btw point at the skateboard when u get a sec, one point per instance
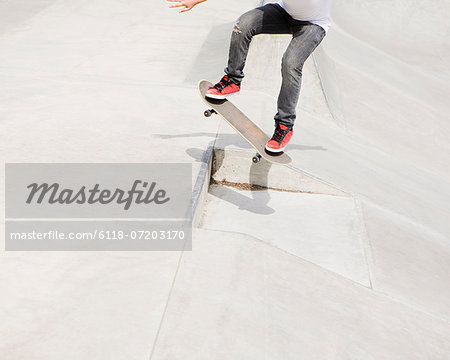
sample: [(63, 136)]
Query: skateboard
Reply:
[(243, 126)]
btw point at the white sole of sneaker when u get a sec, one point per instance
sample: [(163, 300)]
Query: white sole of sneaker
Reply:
[(221, 97), (275, 150)]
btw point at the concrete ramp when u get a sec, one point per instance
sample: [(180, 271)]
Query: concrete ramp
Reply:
[(386, 75), (343, 256)]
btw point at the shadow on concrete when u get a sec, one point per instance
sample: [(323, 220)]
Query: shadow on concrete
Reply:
[(259, 199), (257, 203), (258, 174), (196, 154), (233, 139)]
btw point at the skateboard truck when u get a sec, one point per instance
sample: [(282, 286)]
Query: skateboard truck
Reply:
[(209, 112)]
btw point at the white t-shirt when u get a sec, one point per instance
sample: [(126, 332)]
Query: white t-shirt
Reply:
[(314, 11)]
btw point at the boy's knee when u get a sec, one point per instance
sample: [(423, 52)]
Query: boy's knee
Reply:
[(291, 65), (246, 22)]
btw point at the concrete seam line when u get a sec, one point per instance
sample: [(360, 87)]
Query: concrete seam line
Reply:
[(199, 183), (201, 178), (365, 240), (172, 286), (292, 167)]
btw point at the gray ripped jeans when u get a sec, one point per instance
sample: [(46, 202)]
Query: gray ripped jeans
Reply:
[(273, 19)]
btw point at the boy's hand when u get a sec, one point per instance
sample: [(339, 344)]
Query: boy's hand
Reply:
[(186, 4)]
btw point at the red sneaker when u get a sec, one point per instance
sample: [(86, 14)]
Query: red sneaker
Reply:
[(280, 139), (223, 88)]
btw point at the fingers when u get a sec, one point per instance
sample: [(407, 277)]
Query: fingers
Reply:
[(177, 3), (180, 3)]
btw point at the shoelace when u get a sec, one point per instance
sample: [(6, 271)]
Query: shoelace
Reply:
[(224, 82), (279, 134)]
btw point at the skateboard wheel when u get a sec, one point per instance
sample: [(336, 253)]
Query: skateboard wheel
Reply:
[(256, 158)]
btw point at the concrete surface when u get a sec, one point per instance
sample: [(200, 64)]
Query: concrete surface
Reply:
[(115, 81), (322, 229), (257, 303)]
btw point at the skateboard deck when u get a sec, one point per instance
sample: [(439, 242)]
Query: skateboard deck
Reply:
[(243, 126)]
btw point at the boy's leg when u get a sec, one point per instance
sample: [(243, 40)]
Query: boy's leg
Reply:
[(303, 43), (268, 19), (305, 39)]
